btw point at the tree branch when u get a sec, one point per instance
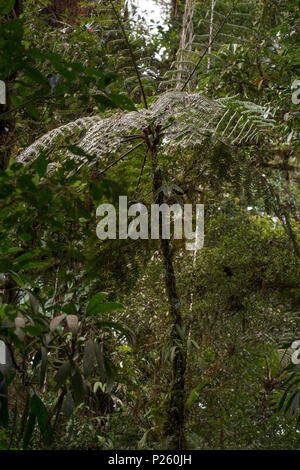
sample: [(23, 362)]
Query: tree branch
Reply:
[(120, 158)]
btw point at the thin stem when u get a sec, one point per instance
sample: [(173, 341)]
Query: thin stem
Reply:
[(120, 158), (207, 49), (31, 100), (131, 53), (142, 170), (130, 138), (211, 29), (174, 416), (10, 348)]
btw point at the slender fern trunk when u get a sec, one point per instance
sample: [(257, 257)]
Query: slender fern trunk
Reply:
[(186, 38), (174, 414)]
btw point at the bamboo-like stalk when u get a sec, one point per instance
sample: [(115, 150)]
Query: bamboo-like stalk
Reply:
[(211, 29), (120, 158), (210, 43)]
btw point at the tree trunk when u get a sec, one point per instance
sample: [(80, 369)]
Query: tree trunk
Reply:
[(175, 10), (186, 39), (174, 415)]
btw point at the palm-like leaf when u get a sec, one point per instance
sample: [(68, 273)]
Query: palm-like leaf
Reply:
[(187, 117)]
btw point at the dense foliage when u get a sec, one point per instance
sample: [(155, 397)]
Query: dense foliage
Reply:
[(141, 344)]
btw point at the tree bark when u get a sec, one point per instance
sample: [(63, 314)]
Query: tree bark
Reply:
[(175, 10), (186, 38), (174, 415)]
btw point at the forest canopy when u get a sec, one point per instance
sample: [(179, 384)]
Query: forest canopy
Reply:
[(136, 342)]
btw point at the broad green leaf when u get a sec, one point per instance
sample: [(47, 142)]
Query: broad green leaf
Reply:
[(34, 330), (35, 75), (193, 397), (110, 374), (122, 101), (63, 373), (5, 265), (70, 309), (69, 405), (100, 362), (96, 300), (32, 111), (79, 151), (89, 356), (77, 385), (38, 409), (103, 101), (116, 326), (40, 165), (105, 307), (29, 430), (6, 6)]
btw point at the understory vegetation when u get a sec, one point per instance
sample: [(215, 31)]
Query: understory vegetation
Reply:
[(143, 344)]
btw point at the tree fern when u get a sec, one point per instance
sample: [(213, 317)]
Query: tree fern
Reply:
[(134, 61), (187, 117), (207, 28)]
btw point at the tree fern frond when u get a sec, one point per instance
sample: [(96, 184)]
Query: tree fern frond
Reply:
[(189, 118), (215, 29), (242, 120), (130, 52)]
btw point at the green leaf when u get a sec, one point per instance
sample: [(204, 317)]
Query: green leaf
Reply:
[(89, 356), (29, 430), (40, 165), (69, 405), (5, 190), (294, 409), (194, 395), (70, 309), (5, 265), (32, 111), (100, 362), (6, 6), (97, 299), (63, 373), (80, 152), (34, 330), (116, 326), (35, 75), (108, 307), (142, 442), (38, 409), (122, 101), (103, 101), (77, 385), (110, 374)]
